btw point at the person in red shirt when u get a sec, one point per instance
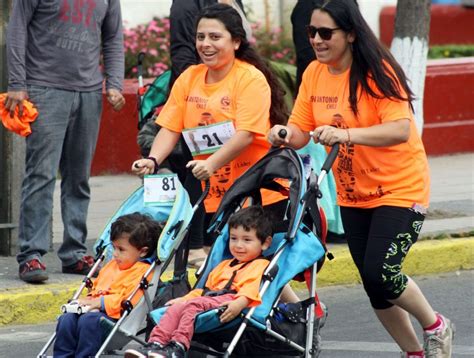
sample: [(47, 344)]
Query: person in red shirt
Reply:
[(234, 283), (357, 95), (134, 237)]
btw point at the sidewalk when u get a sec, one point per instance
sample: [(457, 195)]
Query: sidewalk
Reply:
[(451, 213)]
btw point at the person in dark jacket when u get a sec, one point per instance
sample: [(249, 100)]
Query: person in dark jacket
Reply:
[(300, 17)]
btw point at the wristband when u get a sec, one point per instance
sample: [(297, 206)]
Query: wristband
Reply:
[(348, 136), (155, 163)]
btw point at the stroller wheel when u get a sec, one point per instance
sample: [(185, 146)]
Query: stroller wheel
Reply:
[(316, 345)]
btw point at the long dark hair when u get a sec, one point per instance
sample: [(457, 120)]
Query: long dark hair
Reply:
[(232, 21), (371, 59)]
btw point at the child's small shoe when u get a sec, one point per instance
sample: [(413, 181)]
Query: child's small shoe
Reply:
[(157, 350), (144, 352), (172, 350)]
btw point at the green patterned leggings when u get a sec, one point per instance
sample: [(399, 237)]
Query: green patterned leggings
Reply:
[(379, 240)]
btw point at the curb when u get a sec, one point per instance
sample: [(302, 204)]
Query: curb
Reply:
[(41, 304)]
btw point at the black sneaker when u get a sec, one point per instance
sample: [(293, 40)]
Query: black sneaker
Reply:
[(163, 352), (172, 350), (143, 352), (33, 271), (81, 267)]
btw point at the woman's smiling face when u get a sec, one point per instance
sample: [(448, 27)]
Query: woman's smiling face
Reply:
[(335, 52), (215, 45)]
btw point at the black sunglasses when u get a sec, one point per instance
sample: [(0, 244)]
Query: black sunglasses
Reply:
[(324, 32)]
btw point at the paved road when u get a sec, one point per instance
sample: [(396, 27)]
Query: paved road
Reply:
[(351, 329)]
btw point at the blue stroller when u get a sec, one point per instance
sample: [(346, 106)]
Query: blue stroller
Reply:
[(177, 216), (269, 329)]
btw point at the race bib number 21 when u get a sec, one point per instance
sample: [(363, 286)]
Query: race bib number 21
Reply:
[(208, 139)]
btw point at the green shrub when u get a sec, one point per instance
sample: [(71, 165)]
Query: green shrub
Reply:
[(450, 51)]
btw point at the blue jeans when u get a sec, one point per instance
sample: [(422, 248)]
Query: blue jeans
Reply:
[(78, 336), (63, 137)]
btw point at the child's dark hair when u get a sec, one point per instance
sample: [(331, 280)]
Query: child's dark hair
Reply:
[(233, 23), (143, 231), (253, 217)]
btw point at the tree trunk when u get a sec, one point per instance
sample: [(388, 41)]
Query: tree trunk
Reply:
[(410, 47)]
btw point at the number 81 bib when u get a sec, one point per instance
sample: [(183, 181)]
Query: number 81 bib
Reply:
[(159, 188), (208, 139)]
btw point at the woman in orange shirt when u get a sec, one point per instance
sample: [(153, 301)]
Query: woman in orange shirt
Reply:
[(357, 95), (223, 108)]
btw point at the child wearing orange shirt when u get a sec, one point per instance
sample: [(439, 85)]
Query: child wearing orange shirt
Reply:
[(234, 283), (134, 237)]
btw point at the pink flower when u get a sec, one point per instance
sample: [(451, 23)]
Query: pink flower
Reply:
[(153, 38)]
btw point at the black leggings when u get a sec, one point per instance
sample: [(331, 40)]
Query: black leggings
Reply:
[(379, 240)]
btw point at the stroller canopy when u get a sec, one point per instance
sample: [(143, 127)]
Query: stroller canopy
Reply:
[(177, 215), (279, 163)]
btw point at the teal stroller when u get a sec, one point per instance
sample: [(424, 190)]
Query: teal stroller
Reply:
[(177, 215), (270, 329)]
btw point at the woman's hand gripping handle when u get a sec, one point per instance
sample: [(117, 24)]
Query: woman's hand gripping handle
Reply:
[(279, 135)]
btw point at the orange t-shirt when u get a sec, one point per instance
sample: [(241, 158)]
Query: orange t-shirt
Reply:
[(366, 177), (246, 282), (242, 97), (116, 285)]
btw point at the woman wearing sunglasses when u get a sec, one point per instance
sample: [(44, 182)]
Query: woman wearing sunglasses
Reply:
[(357, 95)]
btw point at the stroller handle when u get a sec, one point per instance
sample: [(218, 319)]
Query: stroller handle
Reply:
[(141, 57), (327, 165), (207, 187), (282, 134), (330, 158)]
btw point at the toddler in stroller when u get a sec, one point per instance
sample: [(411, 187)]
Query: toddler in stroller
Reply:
[(230, 287), (134, 238), (295, 248), (115, 334)]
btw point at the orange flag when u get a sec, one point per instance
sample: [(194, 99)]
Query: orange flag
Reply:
[(17, 124)]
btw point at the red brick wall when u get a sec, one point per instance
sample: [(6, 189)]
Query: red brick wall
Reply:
[(449, 106), (117, 145), (450, 24)]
